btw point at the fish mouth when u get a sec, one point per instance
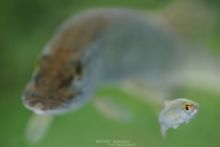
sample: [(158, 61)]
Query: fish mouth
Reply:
[(53, 106), (195, 109), (44, 105), (36, 107), (40, 109), (195, 112)]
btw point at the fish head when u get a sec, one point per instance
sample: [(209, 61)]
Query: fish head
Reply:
[(51, 89), (189, 109)]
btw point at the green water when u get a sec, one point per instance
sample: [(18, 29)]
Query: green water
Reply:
[(87, 126), (26, 26)]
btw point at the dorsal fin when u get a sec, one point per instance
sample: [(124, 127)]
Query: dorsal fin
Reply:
[(167, 103)]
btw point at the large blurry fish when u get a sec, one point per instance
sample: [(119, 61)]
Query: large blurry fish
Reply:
[(97, 47), (177, 112)]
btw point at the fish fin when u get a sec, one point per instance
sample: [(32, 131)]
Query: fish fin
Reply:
[(175, 126), (187, 121), (141, 91), (113, 110), (163, 130), (167, 103), (37, 127)]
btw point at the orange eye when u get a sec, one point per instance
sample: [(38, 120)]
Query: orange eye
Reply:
[(188, 107)]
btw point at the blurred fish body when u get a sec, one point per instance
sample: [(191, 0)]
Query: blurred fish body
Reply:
[(177, 112), (96, 47)]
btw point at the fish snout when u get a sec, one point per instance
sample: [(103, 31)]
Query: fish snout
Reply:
[(195, 108), (44, 104)]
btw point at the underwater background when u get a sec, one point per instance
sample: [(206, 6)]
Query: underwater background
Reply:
[(26, 26)]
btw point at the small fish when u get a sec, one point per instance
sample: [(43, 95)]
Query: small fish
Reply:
[(177, 112)]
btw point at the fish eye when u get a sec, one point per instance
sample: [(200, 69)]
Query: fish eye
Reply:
[(188, 107)]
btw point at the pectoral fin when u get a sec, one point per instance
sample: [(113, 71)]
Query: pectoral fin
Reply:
[(187, 121), (113, 110), (163, 129), (168, 103), (175, 126), (37, 127)]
